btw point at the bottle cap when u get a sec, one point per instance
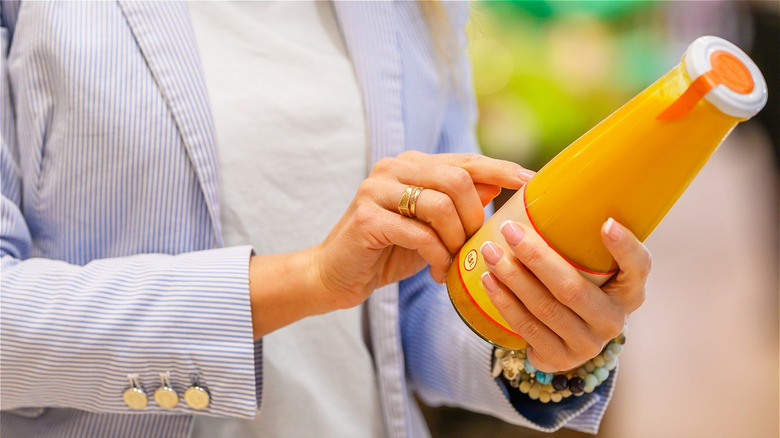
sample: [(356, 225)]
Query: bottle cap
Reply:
[(737, 86)]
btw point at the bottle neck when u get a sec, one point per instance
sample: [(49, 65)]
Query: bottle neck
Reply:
[(630, 166)]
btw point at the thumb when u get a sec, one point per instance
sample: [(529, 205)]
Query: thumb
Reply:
[(633, 258)]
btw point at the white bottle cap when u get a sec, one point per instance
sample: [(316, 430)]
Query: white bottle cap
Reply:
[(741, 90)]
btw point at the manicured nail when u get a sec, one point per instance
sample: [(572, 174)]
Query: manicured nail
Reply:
[(491, 252), (512, 233), (489, 281), (525, 174), (612, 229)]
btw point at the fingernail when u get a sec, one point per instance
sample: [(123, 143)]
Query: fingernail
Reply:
[(525, 174), (612, 229), (489, 281), (491, 252), (512, 233)]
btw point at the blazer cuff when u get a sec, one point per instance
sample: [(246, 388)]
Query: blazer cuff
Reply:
[(71, 334)]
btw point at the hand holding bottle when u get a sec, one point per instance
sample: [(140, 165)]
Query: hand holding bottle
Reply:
[(631, 167), (565, 318)]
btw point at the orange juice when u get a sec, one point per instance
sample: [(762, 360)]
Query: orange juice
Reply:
[(632, 166)]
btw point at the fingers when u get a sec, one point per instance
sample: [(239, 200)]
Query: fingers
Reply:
[(456, 189), (482, 169), (525, 323), (439, 211), (562, 339), (453, 182), (434, 208), (564, 282), (629, 284), (382, 228), (565, 318), (469, 180)]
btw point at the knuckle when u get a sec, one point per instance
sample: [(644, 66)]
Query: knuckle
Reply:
[(445, 257), (469, 158), (572, 292), (532, 256), (509, 272), (549, 311), (530, 328), (502, 303), (436, 256), (637, 302), (410, 155), (437, 252), (367, 188), (383, 166), (614, 326), (647, 266), (588, 350), (632, 298), (364, 215), (459, 179), (443, 207)]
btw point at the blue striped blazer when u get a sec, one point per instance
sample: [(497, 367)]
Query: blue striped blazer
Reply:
[(112, 259)]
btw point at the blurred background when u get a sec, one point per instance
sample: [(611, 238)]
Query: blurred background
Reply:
[(702, 353)]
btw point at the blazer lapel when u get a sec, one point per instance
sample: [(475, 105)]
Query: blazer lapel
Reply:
[(164, 34), (370, 32)]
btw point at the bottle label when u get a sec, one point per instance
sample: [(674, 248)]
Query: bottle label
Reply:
[(471, 266)]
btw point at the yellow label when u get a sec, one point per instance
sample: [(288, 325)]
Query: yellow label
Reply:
[(471, 266)]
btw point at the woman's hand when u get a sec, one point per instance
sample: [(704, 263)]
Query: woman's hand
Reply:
[(565, 318), (373, 244)]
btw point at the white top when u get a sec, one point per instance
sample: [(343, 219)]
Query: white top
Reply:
[(292, 152), (698, 59)]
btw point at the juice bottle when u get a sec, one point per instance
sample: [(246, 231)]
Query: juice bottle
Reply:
[(632, 166)]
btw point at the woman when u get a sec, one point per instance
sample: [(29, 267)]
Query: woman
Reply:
[(126, 287)]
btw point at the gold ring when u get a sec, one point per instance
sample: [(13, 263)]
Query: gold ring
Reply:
[(413, 201), (407, 204)]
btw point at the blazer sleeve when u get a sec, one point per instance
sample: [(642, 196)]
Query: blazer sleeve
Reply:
[(71, 335), (447, 363)]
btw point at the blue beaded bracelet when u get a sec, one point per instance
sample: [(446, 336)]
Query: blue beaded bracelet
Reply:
[(515, 367)]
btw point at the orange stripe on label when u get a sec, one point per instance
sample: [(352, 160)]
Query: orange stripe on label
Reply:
[(481, 310)]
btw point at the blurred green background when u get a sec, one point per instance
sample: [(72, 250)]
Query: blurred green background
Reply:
[(547, 71), (538, 64)]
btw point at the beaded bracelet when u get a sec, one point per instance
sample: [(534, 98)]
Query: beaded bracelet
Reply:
[(549, 387)]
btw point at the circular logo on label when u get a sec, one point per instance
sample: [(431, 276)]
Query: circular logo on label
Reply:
[(470, 261)]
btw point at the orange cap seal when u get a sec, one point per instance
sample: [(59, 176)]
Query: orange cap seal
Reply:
[(727, 70)]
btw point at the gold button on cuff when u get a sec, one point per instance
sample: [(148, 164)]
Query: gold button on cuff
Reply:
[(135, 398), (166, 397), (197, 398)]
